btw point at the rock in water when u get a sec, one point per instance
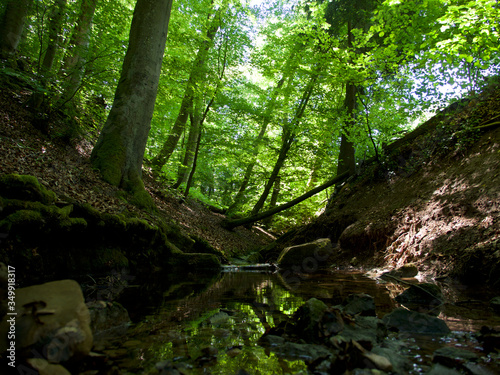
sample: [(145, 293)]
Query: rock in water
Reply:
[(414, 322), (306, 257), (53, 318)]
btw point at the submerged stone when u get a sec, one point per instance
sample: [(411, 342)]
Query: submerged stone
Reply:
[(362, 304), (421, 294), (414, 322), (308, 318)]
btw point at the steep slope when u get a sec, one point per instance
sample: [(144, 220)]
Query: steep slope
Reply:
[(434, 200)]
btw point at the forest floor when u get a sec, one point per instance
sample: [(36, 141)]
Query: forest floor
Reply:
[(64, 167)]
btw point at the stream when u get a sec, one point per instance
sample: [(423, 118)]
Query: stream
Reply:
[(213, 325)]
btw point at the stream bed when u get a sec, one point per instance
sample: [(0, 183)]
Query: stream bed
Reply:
[(213, 325)]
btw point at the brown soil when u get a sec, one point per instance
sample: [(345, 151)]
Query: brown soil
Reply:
[(65, 169), (435, 202)]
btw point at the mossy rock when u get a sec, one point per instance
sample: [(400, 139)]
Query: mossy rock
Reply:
[(25, 221), (25, 187), (195, 261)]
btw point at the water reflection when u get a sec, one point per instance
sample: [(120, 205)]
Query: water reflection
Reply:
[(213, 324)]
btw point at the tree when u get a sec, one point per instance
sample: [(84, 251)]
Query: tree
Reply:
[(12, 26), (195, 79), (76, 55), (119, 151), (54, 35)]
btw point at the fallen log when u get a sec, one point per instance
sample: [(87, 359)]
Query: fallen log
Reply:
[(230, 224)]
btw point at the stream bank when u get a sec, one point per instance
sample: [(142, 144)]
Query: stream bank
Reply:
[(432, 200)]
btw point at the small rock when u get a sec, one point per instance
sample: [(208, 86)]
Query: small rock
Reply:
[(308, 317), (379, 361), (421, 294), (495, 304), (309, 353), (45, 368), (107, 319), (271, 340), (362, 304), (438, 369), (453, 357), (414, 322)]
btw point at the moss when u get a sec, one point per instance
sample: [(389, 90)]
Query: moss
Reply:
[(73, 224), (25, 220), (110, 258), (25, 187)]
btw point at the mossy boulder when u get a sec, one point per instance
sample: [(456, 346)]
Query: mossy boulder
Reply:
[(25, 187), (306, 257)]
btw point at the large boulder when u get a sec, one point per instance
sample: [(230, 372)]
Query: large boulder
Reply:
[(306, 257), (52, 319)]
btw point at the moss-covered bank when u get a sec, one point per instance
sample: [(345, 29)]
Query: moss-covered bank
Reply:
[(47, 238)]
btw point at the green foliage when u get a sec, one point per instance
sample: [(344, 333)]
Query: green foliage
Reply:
[(407, 58)]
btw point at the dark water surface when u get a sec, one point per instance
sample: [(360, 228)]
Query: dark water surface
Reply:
[(212, 325)]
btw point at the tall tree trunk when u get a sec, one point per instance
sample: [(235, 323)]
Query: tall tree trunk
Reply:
[(119, 151), (73, 67), (274, 199), (347, 161), (195, 78), (287, 140), (257, 143), (192, 141), (55, 24), (12, 26)]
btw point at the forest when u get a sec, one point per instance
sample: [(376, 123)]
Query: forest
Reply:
[(245, 105), (249, 187)]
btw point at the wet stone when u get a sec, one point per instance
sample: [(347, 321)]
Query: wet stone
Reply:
[(362, 304), (414, 322), (425, 294), (495, 304), (438, 369), (453, 357), (307, 352)]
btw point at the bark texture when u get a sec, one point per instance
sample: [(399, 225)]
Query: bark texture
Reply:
[(12, 25), (119, 151)]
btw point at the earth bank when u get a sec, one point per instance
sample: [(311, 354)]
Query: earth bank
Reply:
[(433, 201)]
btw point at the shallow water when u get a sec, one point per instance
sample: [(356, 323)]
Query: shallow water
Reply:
[(212, 326)]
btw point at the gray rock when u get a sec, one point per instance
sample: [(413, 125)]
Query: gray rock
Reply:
[(308, 318), (362, 304), (453, 357), (307, 352), (43, 367), (414, 322), (271, 340), (400, 364), (438, 369), (51, 317), (421, 294), (495, 304), (306, 257), (364, 329), (108, 320)]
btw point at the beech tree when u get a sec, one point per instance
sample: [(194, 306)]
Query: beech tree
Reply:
[(119, 151), (12, 25)]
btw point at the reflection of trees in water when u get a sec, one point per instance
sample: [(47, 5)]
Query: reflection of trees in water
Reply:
[(263, 292)]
